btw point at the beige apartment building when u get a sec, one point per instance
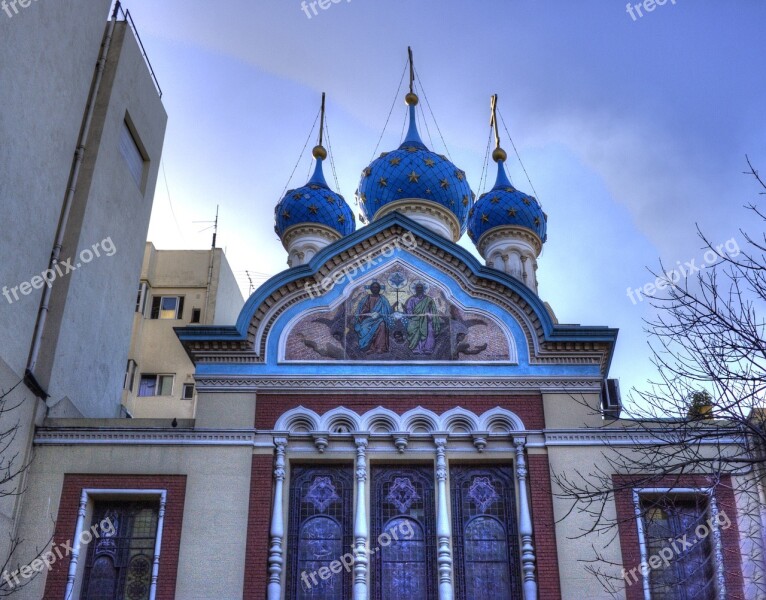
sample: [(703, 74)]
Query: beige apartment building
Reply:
[(177, 288)]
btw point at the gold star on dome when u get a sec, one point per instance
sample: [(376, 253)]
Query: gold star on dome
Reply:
[(484, 218), (313, 209), (460, 175), (297, 196), (428, 191), (314, 186), (444, 184), (330, 199), (383, 182), (537, 221), (510, 189), (470, 213), (413, 177), (383, 154), (367, 172), (395, 161), (526, 201), (429, 162), (511, 212), (341, 219), (411, 149), (285, 215), (465, 200), (363, 197), (452, 203), (399, 190), (494, 200)]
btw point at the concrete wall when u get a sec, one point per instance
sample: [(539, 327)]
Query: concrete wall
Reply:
[(49, 50), (94, 320)]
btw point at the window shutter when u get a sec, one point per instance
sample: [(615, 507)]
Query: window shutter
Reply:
[(180, 314), (156, 307)]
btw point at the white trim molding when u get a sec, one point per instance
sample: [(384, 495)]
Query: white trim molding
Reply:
[(95, 494)]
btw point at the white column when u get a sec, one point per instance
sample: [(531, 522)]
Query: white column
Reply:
[(525, 524), (277, 530), (361, 533), (158, 546), (443, 526), (76, 546)]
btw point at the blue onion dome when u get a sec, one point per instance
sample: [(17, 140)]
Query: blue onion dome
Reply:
[(416, 181), (505, 206), (314, 204)]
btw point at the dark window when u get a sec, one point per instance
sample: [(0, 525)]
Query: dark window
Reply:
[(690, 574), (130, 375), (132, 154), (118, 564), (141, 298), (319, 532), (167, 307), (196, 315), (403, 501), (188, 391), (484, 532)]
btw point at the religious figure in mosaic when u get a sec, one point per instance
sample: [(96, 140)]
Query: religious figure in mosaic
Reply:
[(373, 315), (423, 322)]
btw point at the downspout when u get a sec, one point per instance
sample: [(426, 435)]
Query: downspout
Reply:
[(42, 315)]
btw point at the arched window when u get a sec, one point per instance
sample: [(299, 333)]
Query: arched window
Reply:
[(484, 533), (320, 532), (403, 537)]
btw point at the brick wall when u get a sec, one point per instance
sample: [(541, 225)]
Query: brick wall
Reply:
[(631, 550), (269, 407), (258, 522), (66, 522), (544, 527)]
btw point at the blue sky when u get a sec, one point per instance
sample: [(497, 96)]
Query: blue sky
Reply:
[(632, 131)]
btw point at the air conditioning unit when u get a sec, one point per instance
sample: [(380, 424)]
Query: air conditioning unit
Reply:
[(611, 402)]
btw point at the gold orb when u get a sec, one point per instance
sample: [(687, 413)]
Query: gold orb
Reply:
[(411, 99), (499, 155), (319, 152)]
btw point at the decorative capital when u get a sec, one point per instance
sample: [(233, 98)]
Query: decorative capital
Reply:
[(441, 444), (480, 441), (520, 443), (361, 444), (400, 441), (321, 441)]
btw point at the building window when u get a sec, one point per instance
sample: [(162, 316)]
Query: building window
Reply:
[(156, 385), (319, 532), (196, 315), (404, 500), (119, 563), (665, 520), (484, 532), (130, 373), (188, 391), (141, 298), (132, 154), (167, 307)]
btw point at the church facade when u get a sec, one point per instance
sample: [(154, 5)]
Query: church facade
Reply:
[(386, 419)]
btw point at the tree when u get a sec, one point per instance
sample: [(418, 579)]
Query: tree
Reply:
[(704, 411), (13, 466)]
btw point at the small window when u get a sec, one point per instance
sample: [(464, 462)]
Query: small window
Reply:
[(156, 385), (141, 298), (132, 154), (188, 391), (196, 315), (167, 307)]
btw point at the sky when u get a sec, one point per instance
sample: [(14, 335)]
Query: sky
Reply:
[(633, 130)]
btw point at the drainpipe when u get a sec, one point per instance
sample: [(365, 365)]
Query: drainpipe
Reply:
[(42, 315)]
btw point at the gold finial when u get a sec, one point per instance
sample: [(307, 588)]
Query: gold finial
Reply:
[(498, 154), (319, 151), (411, 98)]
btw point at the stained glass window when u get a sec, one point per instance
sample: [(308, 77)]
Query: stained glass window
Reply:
[(485, 538), (119, 561), (320, 532), (403, 540), (690, 572)]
